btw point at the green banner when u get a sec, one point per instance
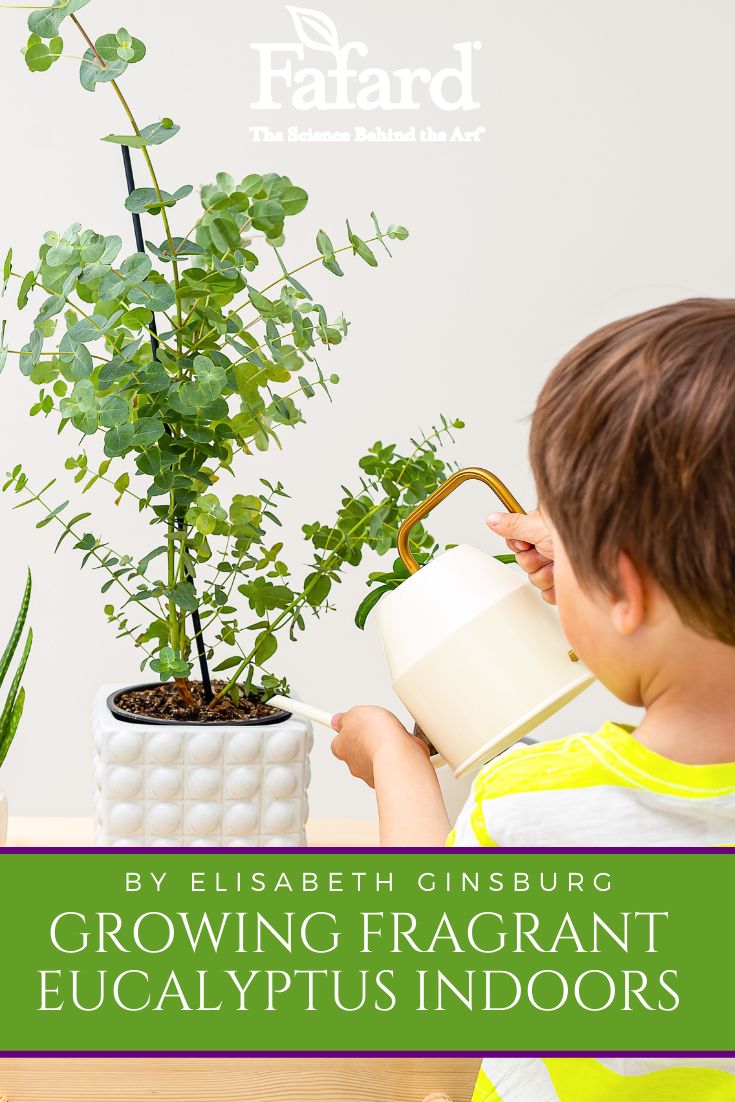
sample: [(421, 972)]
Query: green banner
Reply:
[(366, 951)]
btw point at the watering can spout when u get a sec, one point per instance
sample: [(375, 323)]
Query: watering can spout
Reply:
[(473, 652)]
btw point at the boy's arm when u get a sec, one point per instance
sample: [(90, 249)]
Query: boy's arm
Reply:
[(379, 750), (411, 808)]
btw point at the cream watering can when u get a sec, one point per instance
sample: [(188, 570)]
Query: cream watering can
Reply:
[(474, 653)]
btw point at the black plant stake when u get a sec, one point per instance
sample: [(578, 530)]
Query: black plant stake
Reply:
[(195, 618)]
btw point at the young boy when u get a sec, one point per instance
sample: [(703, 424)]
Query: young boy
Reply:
[(633, 452)]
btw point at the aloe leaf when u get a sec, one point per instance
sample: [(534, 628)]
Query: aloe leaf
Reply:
[(10, 650), (7, 735), (14, 690)]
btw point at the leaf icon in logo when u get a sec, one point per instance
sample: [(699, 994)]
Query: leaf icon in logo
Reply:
[(315, 29)]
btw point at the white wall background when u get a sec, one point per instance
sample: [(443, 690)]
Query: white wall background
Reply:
[(603, 185)]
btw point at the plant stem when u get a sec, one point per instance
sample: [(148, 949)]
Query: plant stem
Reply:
[(151, 170), (176, 522), (20, 352), (173, 619)]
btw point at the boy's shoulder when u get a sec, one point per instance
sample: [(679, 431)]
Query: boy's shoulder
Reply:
[(537, 772), (575, 761), (601, 789)]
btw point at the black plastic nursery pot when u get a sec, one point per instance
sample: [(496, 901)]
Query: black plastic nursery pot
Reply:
[(278, 716)]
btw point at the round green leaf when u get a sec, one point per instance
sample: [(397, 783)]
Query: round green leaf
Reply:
[(114, 410), (119, 439), (147, 431), (81, 407), (92, 72), (47, 21)]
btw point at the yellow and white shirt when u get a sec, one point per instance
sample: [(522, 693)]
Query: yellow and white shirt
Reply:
[(604, 789), (603, 1080)]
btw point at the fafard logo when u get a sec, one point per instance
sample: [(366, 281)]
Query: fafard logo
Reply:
[(342, 87)]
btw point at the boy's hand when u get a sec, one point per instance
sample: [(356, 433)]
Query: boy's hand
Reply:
[(529, 538), (364, 733)]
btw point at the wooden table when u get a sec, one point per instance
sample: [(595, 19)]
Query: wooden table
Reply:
[(182, 1080), (227, 1080), (80, 832)]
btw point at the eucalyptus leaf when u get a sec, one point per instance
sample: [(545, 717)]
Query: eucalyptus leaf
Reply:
[(119, 439), (155, 294), (88, 329), (92, 71), (156, 133), (147, 431), (82, 364), (293, 200), (112, 372), (146, 200), (267, 215), (3, 345), (182, 247), (184, 596), (113, 244), (31, 352), (52, 306), (361, 248), (113, 411), (81, 407), (7, 269), (46, 22), (27, 283), (121, 46), (169, 664), (59, 254), (326, 248), (368, 603), (39, 55), (136, 268)]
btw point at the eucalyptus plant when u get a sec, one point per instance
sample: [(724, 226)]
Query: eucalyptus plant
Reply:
[(182, 359), (11, 708)]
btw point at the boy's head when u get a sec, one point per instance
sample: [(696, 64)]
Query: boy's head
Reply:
[(633, 451)]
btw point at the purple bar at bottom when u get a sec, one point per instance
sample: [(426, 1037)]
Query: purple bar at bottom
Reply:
[(341, 1054)]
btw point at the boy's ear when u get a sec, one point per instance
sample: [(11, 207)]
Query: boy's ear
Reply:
[(629, 606)]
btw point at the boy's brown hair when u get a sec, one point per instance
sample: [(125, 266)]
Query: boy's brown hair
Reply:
[(633, 448)]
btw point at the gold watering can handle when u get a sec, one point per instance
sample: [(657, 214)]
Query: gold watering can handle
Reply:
[(404, 532), (500, 490)]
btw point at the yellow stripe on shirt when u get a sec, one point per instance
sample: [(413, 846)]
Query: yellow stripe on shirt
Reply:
[(611, 756), (589, 1080)]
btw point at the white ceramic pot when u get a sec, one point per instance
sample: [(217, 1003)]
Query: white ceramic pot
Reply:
[(169, 784), (3, 818)]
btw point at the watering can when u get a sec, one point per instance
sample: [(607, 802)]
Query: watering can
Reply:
[(473, 651)]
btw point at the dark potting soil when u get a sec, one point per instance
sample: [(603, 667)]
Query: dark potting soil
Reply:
[(166, 702)]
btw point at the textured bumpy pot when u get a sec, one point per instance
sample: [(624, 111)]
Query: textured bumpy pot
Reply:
[(172, 784), (3, 818)]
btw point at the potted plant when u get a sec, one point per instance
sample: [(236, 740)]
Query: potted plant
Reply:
[(180, 358), (13, 699)]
